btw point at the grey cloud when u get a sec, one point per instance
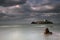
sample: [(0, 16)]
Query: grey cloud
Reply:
[(24, 13), (43, 6), (11, 2), (55, 10), (27, 7)]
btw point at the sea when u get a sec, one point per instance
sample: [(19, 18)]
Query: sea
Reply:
[(29, 32)]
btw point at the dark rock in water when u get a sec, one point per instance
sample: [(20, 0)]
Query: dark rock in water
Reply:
[(42, 22), (47, 32)]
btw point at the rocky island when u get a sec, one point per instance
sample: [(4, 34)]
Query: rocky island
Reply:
[(42, 22)]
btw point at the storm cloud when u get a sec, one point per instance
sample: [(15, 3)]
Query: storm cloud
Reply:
[(11, 2), (26, 11)]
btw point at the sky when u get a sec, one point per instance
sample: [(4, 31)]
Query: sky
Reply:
[(26, 11)]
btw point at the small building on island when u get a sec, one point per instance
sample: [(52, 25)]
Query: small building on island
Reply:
[(42, 22)]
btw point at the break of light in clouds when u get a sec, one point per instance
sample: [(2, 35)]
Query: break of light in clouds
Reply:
[(26, 11)]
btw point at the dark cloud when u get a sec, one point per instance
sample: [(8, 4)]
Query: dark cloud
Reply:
[(45, 6), (11, 2), (14, 12)]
